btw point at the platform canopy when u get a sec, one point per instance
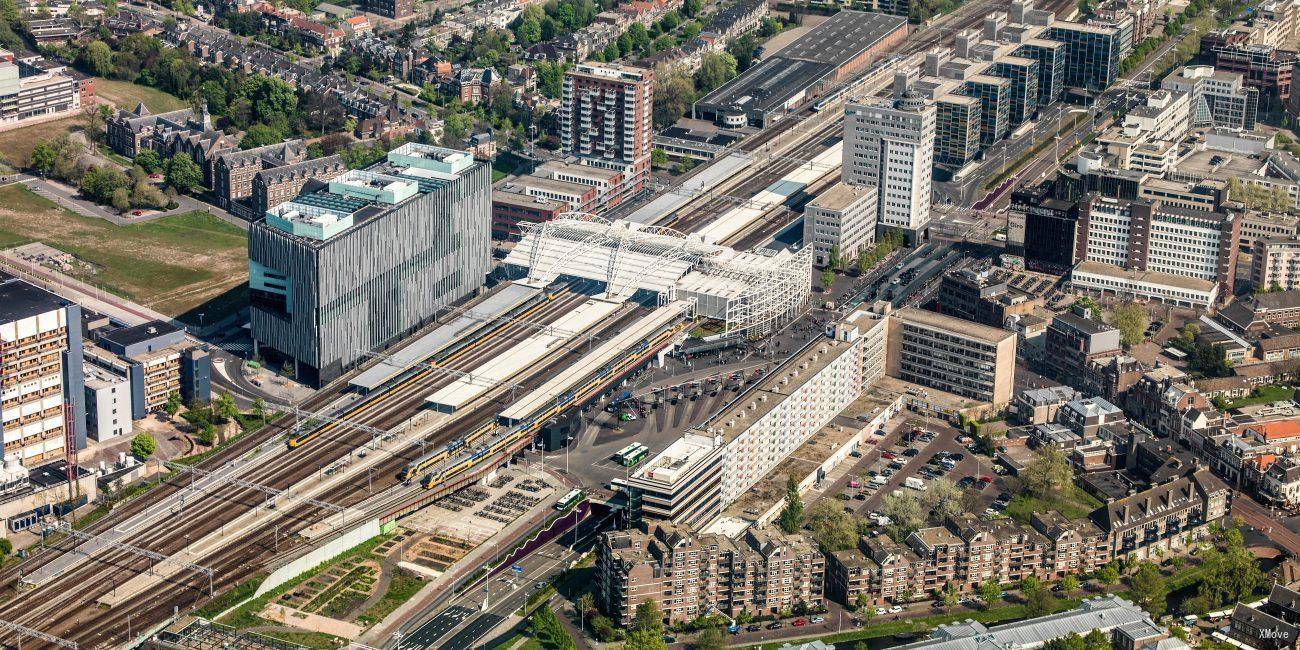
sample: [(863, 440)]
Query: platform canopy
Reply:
[(752, 292)]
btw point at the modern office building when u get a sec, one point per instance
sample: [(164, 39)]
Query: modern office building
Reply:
[(994, 95), (351, 266), (956, 130), (1169, 241), (843, 219), (1050, 56), (1275, 264), (889, 144), (1023, 74), (951, 354), (33, 89), (108, 404), (689, 575), (41, 381), (1219, 99), (1092, 54), (1044, 228), (606, 117)]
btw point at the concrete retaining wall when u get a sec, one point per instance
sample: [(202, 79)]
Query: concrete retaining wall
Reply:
[(320, 555)]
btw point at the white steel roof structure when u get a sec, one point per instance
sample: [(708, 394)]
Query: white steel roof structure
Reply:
[(751, 292)]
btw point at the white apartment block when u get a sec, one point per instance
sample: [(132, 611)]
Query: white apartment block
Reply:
[(843, 216), (889, 144), (709, 467)]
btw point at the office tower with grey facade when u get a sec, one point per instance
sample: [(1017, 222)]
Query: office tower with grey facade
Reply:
[(1092, 54), (355, 264), (956, 130)]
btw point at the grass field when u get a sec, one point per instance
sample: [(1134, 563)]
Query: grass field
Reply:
[(125, 94), (1074, 504), (1264, 395), (174, 265), (16, 144)]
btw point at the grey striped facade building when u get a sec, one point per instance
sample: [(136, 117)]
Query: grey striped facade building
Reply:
[(326, 289)]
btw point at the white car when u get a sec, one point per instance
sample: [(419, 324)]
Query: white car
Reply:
[(817, 619), (895, 609), (881, 610)]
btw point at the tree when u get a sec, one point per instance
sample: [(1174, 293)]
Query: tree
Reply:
[(1069, 584), (225, 407), (1131, 320), (259, 135), (832, 528), (121, 199), (1108, 575), (833, 257), (716, 68), (183, 174), (97, 57), (904, 512), (148, 160), (1030, 585), (1040, 603), (143, 446), (647, 629), (944, 498), (950, 596), (1149, 589), (1233, 574), (769, 28), (990, 591), (828, 278), (43, 157), (1048, 474), (658, 158), (1071, 641), (173, 405), (862, 603), (259, 409), (1190, 331), (6, 547), (673, 94), (711, 638), (207, 434), (586, 603), (1096, 640), (792, 514)]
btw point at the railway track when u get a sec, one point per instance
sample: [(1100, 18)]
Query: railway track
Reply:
[(47, 606)]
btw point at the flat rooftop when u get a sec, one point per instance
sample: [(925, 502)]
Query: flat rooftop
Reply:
[(140, 333), (803, 63), (992, 335), (666, 466), (1146, 277), (840, 196), (20, 299)]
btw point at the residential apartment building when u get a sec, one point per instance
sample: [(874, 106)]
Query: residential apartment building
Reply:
[(711, 465), (356, 264), (688, 575), (889, 144), (156, 360), (396, 9), (1219, 98), (41, 381), (1164, 517), (606, 118), (1275, 264), (275, 185), (842, 218), (233, 171), (951, 354)]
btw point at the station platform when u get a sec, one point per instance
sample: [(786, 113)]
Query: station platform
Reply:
[(556, 388), (737, 219), (521, 356), (504, 300)]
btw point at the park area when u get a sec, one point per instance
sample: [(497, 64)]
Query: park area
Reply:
[(127, 95), (176, 265)]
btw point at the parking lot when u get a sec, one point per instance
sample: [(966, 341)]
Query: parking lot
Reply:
[(935, 452)]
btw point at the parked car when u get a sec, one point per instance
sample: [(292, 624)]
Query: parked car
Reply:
[(881, 610), (888, 456), (912, 452), (753, 627), (775, 625), (817, 619), (895, 609)]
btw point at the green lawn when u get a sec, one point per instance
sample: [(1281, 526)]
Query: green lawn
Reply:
[(16, 144), (175, 264), (1074, 504), (1264, 395), (502, 167), (400, 589), (126, 95)]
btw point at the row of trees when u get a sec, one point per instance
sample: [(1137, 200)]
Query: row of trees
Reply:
[(1255, 197), (676, 88), (64, 158)]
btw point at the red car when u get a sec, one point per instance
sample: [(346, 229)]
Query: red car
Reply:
[(986, 479), (799, 622), (137, 212), (888, 456)]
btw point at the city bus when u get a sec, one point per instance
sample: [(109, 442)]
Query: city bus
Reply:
[(569, 500), (635, 456), (622, 453)]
